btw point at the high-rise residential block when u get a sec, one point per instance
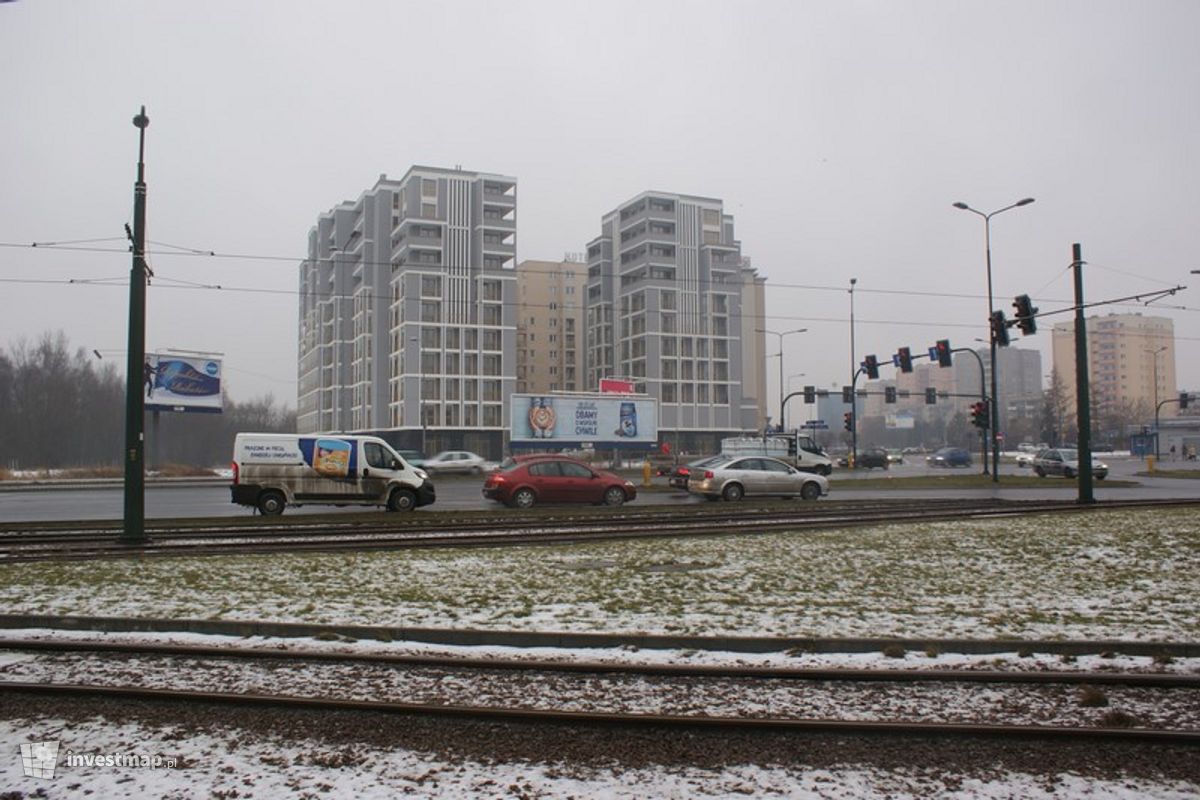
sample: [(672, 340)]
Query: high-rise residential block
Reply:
[(667, 292), (550, 326), (408, 312), (1131, 362)]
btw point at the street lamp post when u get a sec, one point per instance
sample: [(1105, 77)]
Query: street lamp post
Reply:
[(853, 374), (782, 427), (987, 237), (1154, 354)]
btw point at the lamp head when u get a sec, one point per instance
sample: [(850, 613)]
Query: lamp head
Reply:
[(1025, 202), (962, 205)]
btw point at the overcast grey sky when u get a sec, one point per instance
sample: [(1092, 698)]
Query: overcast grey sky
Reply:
[(837, 133)]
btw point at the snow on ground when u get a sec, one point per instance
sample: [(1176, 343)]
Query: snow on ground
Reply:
[(1112, 575), (230, 765)]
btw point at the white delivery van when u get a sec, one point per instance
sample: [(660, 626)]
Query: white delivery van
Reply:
[(799, 450), (274, 470)]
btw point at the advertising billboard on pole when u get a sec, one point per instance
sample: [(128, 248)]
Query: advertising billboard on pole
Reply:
[(182, 383), (572, 420)]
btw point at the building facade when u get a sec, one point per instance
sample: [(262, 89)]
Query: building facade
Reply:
[(550, 326), (408, 312), (666, 286), (1131, 363)]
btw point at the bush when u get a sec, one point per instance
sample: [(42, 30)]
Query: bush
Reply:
[(1092, 697)]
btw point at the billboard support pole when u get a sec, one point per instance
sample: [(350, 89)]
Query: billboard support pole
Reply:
[(134, 531)]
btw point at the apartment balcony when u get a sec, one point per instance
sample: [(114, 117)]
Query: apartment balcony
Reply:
[(498, 222), (500, 195)]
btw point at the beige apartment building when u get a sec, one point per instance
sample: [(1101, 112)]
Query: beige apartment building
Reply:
[(550, 326), (1131, 362)]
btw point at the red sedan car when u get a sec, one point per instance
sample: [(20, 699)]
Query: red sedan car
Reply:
[(528, 480)]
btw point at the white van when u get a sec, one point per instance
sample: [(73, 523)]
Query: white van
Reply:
[(274, 470)]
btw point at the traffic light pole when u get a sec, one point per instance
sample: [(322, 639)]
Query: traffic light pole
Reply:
[(983, 435)]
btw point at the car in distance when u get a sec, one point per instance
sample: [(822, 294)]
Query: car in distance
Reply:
[(949, 457), (1065, 462), (459, 461), (529, 481), (679, 475), (414, 457), (755, 476), (873, 458)]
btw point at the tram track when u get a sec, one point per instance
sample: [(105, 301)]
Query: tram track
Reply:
[(894, 702), (20, 543)]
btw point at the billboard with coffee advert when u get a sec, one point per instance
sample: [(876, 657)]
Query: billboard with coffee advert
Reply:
[(563, 420)]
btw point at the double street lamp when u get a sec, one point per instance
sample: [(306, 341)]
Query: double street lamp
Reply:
[(782, 427), (1155, 354), (995, 404)]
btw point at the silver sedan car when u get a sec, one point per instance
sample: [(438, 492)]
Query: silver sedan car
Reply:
[(755, 476)]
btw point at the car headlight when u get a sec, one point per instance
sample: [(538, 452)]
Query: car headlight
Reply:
[(629, 484), (420, 473)]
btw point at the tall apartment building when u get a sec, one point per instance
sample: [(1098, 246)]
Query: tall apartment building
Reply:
[(407, 312), (1131, 361), (1019, 382), (550, 326), (665, 299)]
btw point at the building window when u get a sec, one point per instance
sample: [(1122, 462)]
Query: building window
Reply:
[(431, 311), (431, 286)]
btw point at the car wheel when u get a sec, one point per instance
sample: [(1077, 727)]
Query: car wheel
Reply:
[(810, 490), (1041, 473), (614, 496), (732, 493), (523, 498), (1101, 476), (271, 504), (401, 500), (1068, 473)]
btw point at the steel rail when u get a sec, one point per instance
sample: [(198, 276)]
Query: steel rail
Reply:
[(490, 535), (812, 674), (591, 718)]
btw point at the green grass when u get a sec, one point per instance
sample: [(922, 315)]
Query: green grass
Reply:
[(972, 481), (1186, 474)]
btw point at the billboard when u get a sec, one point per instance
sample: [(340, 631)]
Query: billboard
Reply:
[(182, 383), (570, 420), (616, 386)]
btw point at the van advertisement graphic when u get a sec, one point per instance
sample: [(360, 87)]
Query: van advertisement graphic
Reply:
[(330, 457), (575, 419), (182, 383)]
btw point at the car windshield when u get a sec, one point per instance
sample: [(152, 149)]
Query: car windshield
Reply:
[(1069, 455)]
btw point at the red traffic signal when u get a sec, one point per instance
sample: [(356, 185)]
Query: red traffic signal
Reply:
[(871, 367), (979, 414), (904, 359), (848, 421), (942, 352)]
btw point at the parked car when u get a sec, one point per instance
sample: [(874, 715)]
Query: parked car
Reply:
[(1065, 461), (679, 476), (755, 476), (1025, 459), (455, 461), (528, 481), (872, 458), (949, 457), (414, 457)]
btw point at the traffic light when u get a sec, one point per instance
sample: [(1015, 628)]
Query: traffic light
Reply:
[(904, 359), (979, 414), (1183, 400), (999, 329), (870, 365), (930, 396), (847, 394), (1025, 315), (942, 349), (889, 394), (848, 421), (810, 394)]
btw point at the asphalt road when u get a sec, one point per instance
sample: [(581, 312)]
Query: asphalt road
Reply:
[(212, 499)]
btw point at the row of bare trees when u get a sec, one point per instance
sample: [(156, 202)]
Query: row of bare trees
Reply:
[(62, 408)]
